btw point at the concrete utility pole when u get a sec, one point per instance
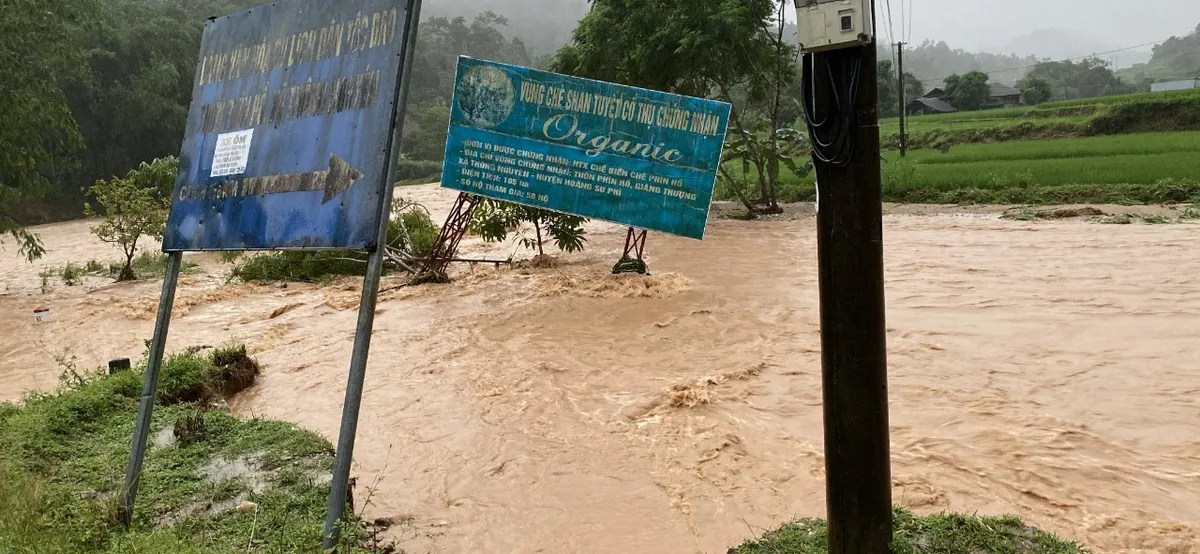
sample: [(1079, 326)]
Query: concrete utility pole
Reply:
[(900, 77), (853, 337)]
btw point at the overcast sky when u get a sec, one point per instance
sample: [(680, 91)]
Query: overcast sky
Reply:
[(991, 25)]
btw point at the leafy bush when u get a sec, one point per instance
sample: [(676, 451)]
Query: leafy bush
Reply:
[(133, 207), (408, 221), (494, 221)]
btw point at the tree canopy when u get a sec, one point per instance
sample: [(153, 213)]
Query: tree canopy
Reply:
[(1085, 78), (968, 91), (1036, 90), (37, 53)]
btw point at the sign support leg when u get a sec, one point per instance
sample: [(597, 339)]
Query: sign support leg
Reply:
[(370, 294), (141, 431), (354, 389), (853, 332), (631, 259)]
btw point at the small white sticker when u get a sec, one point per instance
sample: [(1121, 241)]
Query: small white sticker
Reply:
[(232, 153)]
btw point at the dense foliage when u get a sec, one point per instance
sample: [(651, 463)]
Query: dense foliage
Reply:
[(1086, 78), (968, 91), (39, 136)]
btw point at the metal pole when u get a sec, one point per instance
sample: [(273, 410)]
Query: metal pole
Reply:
[(141, 431), (370, 296), (853, 337), (903, 108)]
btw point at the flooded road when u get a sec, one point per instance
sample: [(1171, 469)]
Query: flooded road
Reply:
[(1046, 369)]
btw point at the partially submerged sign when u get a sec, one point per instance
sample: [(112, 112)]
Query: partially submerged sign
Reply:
[(623, 154), (288, 133)]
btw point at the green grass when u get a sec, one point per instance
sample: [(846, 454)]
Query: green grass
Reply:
[(1109, 115), (1084, 147), (1100, 170), (63, 462), (937, 534)]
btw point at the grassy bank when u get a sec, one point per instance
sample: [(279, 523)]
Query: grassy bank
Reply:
[(938, 534), (63, 463), (1123, 169)]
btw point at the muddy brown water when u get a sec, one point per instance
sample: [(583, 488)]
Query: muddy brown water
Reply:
[(1045, 369)]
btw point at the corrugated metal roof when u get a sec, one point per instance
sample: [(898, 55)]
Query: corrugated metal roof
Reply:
[(1000, 89), (935, 104)]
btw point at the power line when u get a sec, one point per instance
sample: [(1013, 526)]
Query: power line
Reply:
[(1093, 55), (890, 26), (908, 38)]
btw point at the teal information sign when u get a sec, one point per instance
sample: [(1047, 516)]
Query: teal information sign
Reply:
[(632, 156)]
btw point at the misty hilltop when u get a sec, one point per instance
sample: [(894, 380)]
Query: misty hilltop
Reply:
[(1061, 44), (543, 25)]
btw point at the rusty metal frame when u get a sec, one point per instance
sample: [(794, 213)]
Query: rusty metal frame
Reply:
[(452, 233), (635, 243), (632, 260)]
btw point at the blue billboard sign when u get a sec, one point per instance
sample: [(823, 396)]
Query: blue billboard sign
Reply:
[(290, 127), (627, 155)]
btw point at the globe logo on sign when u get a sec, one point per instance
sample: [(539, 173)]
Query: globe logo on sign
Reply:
[(486, 96)]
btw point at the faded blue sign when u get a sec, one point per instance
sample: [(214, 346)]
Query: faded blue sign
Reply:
[(627, 155), (290, 127)]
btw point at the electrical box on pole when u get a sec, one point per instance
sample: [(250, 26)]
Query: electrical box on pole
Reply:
[(841, 110), (831, 24)]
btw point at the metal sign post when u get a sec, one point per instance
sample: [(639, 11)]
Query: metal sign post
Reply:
[(370, 294), (141, 430), (290, 144)]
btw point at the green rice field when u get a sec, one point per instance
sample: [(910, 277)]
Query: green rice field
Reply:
[(1064, 112), (1137, 168), (1119, 159)]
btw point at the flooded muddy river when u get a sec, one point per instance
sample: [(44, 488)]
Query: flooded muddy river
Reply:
[(1046, 369)]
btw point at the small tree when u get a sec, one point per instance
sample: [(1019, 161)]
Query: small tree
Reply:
[(495, 220), (133, 207), (1036, 91), (968, 91)]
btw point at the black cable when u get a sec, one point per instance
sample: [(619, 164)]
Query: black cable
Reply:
[(833, 137)]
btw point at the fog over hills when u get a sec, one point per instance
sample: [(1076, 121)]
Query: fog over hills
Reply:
[(543, 25), (1018, 29), (1059, 44)]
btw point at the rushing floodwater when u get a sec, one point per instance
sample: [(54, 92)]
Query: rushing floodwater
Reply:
[(1047, 369)]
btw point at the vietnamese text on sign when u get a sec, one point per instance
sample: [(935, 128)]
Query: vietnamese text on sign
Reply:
[(623, 154)]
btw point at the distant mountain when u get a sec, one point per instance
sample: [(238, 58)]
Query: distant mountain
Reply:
[(1059, 44)]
